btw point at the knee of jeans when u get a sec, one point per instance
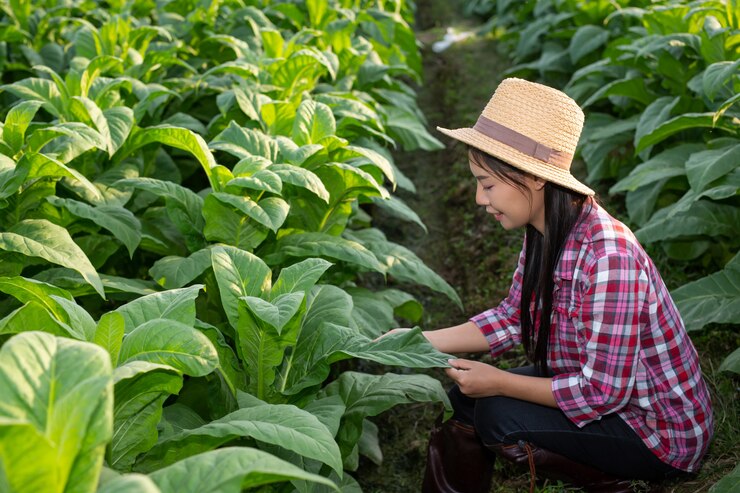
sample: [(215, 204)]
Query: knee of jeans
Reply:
[(490, 421), (463, 407)]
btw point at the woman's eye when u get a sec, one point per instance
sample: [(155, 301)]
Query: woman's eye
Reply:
[(488, 187)]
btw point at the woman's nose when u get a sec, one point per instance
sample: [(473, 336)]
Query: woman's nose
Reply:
[(480, 197)]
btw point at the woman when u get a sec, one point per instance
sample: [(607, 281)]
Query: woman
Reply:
[(615, 392)]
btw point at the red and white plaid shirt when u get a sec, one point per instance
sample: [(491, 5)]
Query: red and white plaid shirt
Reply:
[(617, 341)]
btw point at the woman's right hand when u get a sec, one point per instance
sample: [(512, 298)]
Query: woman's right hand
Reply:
[(392, 331), (464, 338)]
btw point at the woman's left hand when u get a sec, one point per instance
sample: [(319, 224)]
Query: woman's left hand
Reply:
[(474, 378)]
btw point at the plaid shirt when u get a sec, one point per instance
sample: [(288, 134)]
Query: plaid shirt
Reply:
[(617, 342)]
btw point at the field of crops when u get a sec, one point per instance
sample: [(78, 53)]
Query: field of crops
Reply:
[(188, 241)]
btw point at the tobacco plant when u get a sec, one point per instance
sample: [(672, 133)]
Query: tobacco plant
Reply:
[(185, 209)]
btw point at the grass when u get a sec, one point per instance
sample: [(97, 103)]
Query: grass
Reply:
[(478, 258)]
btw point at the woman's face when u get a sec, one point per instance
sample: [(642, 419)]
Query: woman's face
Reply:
[(508, 204)]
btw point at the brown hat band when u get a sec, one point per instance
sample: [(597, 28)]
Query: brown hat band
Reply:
[(522, 143)]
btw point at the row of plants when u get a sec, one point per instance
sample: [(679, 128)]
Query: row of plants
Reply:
[(659, 82), (187, 242)]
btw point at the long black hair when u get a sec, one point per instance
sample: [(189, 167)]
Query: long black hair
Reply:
[(562, 209)]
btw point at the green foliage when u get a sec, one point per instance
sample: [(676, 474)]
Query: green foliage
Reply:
[(56, 413), (180, 190)]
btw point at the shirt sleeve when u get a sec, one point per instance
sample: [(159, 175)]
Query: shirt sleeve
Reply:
[(501, 325), (608, 326)]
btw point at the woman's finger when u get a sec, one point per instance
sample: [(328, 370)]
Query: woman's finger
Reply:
[(459, 364)]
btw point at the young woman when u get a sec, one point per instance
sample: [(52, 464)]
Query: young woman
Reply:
[(615, 392)]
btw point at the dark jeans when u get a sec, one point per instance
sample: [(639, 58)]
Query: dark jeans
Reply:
[(608, 444)]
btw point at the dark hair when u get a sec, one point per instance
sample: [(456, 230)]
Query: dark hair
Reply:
[(562, 210)]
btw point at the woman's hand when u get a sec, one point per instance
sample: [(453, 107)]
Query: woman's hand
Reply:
[(392, 331), (464, 338), (476, 379)]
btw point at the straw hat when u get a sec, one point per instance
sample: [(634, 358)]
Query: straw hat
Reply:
[(532, 127)]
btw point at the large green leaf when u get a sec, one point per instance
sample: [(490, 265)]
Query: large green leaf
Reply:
[(324, 245), (174, 304), (184, 207), (261, 181), (141, 389), (405, 126), (586, 39), (225, 224), (118, 220), (655, 114), (729, 483), (703, 218), (239, 273), (313, 122), (65, 141), (16, 123), (679, 123), (318, 350), (278, 312), (367, 395), (403, 264), (98, 66), (41, 90), (630, 87), (180, 138), (408, 349), (244, 142), (371, 156), (41, 238), (667, 164), (229, 369), (284, 425), (168, 342), (731, 362), (301, 177), (114, 124), (372, 313), (25, 290), (299, 277), (263, 348), (43, 166), (270, 212), (175, 272), (396, 207), (706, 166), (79, 320), (35, 316), (27, 459), (109, 334), (717, 76), (325, 304), (56, 400), (229, 470), (641, 202), (727, 186), (129, 483), (299, 71), (712, 299), (296, 155)]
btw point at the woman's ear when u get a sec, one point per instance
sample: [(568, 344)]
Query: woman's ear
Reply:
[(538, 183)]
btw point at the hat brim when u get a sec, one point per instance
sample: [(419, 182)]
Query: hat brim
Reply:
[(517, 159)]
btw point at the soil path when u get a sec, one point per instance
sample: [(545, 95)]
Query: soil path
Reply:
[(464, 245)]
